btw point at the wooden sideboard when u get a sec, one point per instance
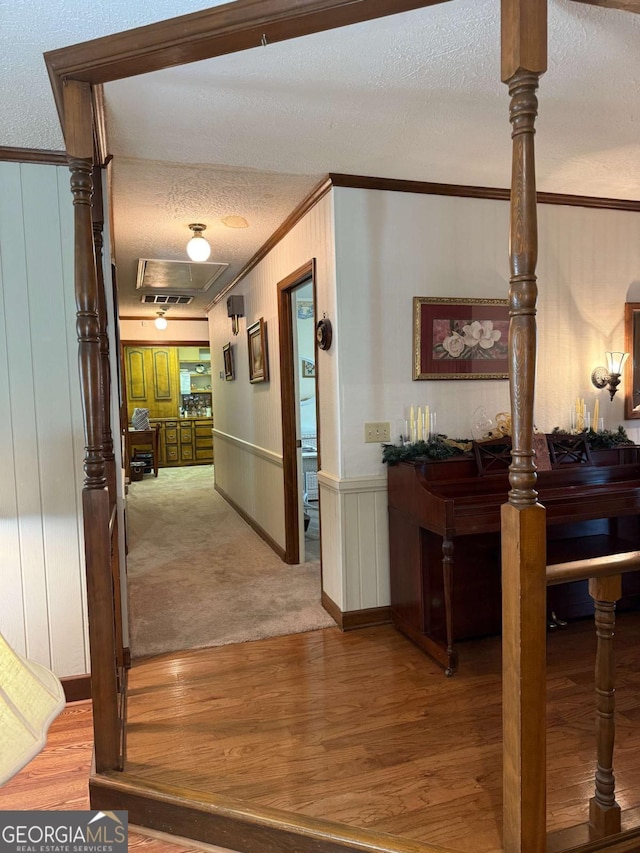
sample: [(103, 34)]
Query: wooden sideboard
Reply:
[(185, 441)]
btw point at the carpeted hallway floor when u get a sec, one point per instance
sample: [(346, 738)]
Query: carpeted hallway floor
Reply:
[(199, 576)]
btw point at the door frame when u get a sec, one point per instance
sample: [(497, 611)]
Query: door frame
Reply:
[(288, 409)]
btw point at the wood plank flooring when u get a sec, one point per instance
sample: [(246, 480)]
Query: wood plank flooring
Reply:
[(363, 728), (58, 779)]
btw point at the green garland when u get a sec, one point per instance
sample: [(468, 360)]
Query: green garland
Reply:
[(435, 448), (604, 440), (440, 448)]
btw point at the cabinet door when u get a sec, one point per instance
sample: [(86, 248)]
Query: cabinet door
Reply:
[(152, 380)]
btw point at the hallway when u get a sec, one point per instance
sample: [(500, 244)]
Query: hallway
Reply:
[(199, 576)]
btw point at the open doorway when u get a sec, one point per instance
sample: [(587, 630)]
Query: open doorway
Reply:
[(300, 422)]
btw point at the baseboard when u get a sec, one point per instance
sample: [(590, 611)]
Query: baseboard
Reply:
[(126, 657), (211, 818), (77, 688), (252, 523), (350, 620)]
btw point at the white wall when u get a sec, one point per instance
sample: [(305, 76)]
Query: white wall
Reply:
[(393, 246), (247, 418), (177, 330), (43, 600)]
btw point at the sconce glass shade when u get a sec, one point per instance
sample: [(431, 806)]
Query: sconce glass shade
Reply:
[(160, 322), (31, 697), (197, 248), (615, 361)]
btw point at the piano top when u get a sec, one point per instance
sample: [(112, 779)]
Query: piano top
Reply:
[(451, 497)]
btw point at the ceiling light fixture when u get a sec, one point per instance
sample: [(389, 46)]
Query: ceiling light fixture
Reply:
[(160, 322), (197, 248)]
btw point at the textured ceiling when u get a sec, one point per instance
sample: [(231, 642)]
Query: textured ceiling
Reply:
[(414, 96)]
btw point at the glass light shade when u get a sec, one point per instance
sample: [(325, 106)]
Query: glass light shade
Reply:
[(198, 249), (615, 361), (160, 323), (31, 697)]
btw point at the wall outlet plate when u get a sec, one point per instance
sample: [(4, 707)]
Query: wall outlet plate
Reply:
[(376, 433)]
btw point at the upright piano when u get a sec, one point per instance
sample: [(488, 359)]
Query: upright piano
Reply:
[(444, 537)]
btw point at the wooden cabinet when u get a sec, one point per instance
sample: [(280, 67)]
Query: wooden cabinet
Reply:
[(152, 380), (186, 441)]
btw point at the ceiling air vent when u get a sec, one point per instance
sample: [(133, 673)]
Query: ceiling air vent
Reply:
[(165, 299), (177, 275)]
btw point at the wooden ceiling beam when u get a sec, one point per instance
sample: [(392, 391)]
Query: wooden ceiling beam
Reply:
[(625, 5), (221, 30)]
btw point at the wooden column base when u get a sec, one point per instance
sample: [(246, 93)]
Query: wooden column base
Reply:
[(603, 820)]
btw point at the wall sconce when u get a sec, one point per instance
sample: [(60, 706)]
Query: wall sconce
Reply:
[(235, 309), (160, 321), (197, 248), (609, 376)]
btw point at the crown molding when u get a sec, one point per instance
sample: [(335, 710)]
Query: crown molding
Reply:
[(461, 191)]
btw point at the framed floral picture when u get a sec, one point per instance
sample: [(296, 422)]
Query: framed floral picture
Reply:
[(460, 338), (229, 371), (258, 356)]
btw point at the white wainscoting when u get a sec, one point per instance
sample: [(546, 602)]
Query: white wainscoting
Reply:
[(355, 541), (253, 478), (42, 604)]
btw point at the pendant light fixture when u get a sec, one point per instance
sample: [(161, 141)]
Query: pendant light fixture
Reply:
[(197, 248), (160, 322)]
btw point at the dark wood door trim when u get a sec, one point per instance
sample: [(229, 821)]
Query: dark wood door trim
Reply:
[(288, 395)]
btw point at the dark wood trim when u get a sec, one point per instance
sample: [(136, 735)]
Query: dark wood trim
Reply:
[(126, 657), (252, 523), (202, 35), (77, 688), (350, 620), (102, 155), (301, 210), (363, 182), (426, 188), (630, 368), (33, 155), (288, 407), (251, 828)]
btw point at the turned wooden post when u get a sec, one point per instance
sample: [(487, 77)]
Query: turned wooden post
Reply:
[(604, 811), (523, 519), (95, 496)]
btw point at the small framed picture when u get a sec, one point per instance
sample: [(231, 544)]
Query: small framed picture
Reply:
[(258, 355), (308, 369), (227, 353)]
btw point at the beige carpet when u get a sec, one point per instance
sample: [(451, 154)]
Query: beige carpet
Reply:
[(199, 576)]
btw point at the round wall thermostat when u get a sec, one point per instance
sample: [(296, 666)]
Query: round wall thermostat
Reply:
[(324, 333)]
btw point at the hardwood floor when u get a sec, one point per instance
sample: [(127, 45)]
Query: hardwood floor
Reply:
[(58, 779), (362, 728)]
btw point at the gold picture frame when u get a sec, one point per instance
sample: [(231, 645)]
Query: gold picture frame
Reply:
[(258, 354), (456, 338), (229, 368)]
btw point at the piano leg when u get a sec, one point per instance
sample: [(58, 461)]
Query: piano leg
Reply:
[(447, 577)]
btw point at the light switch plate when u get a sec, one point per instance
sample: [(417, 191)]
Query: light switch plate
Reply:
[(376, 433)]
